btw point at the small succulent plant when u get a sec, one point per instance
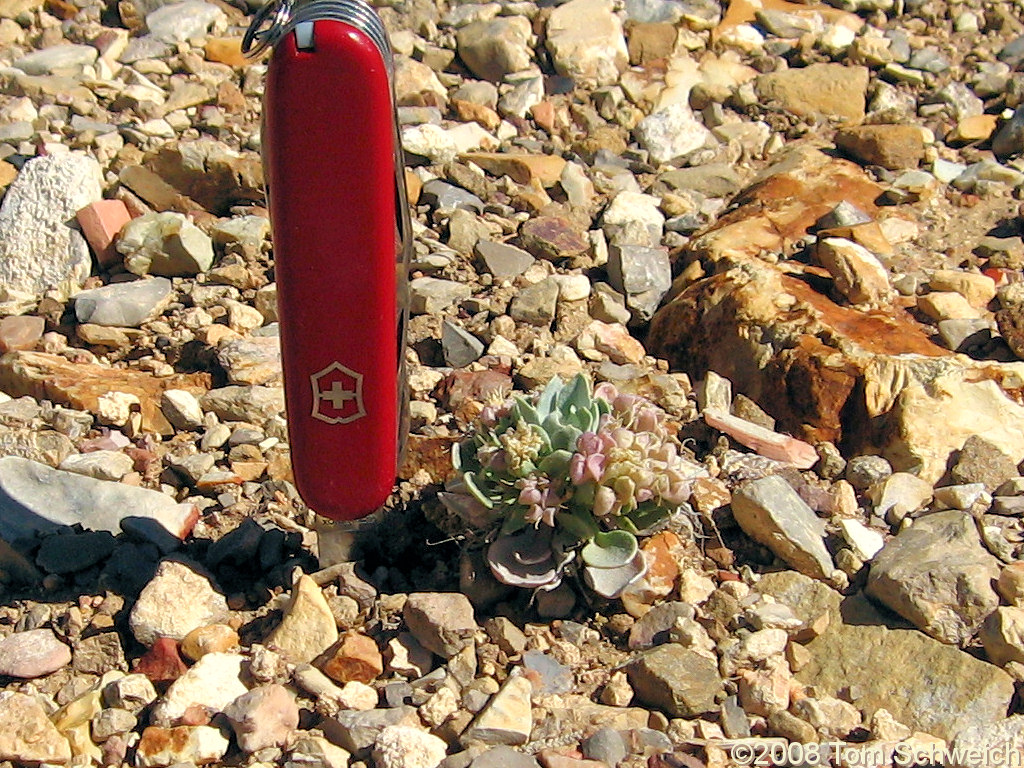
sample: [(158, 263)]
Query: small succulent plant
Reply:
[(571, 477)]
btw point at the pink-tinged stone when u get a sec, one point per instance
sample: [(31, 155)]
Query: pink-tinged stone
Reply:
[(162, 663), (615, 341), (20, 332), (264, 717), (31, 654), (763, 441), (100, 223)]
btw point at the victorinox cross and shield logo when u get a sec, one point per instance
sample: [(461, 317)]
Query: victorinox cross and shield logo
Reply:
[(337, 394)]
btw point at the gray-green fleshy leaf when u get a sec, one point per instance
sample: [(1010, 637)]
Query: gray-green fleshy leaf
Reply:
[(555, 464), (610, 549), (580, 524), (524, 411), (612, 582), (549, 396), (471, 486), (505, 557), (576, 394)]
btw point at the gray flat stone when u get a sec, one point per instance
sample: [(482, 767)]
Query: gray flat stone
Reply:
[(536, 304), (928, 686), (179, 22), (252, 360), (459, 346), (446, 197), (442, 622), (123, 305), (676, 680), (642, 274), (771, 513), (937, 575), (36, 498), (357, 731), (430, 295), (101, 465), (238, 403), (57, 57), (38, 250), (503, 261)]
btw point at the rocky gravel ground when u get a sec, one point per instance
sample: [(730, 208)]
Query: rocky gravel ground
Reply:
[(794, 227)]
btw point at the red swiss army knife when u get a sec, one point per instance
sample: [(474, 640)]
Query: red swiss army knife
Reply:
[(336, 192)]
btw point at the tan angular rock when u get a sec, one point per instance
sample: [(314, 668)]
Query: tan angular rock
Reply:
[(972, 129), (521, 167), (47, 446), (226, 50), (829, 90), (28, 736), (308, 627), (416, 85), (977, 288), (858, 273), (586, 42), (899, 495), (1010, 584), (82, 385), (946, 305), (508, 716), (210, 173), (612, 339), (213, 638), (1002, 634)]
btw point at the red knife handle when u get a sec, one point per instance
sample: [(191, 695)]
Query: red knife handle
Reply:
[(337, 198)]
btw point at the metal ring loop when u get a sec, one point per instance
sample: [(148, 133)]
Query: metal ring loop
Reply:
[(257, 40)]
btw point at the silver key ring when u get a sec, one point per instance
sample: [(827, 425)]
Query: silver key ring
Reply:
[(260, 35)]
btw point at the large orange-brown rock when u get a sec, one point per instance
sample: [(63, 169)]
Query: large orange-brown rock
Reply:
[(783, 203), (872, 380), (81, 385)]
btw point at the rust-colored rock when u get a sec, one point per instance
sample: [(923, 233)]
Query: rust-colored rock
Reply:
[(162, 663), (77, 385), (553, 238), (356, 658), (871, 380), (783, 204), (890, 146)]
